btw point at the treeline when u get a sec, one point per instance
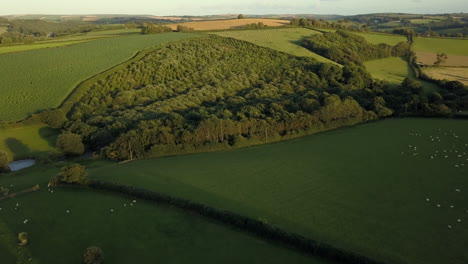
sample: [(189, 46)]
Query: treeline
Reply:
[(253, 226), (320, 23), (150, 28), (345, 47), (258, 25)]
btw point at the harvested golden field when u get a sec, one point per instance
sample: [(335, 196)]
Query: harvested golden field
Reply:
[(451, 74), (230, 23), (453, 60)]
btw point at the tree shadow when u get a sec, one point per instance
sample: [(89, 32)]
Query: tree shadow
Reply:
[(18, 148), (49, 135)]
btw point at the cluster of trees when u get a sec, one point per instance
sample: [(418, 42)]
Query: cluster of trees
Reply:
[(320, 23), (71, 174), (4, 166), (345, 47), (150, 28), (181, 28), (258, 25)]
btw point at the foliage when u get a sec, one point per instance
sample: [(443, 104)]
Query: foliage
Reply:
[(4, 167), (23, 238), (149, 28), (181, 28), (53, 73), (240, 16), (258, 25), (71, 174), (70, 144), (441, 59), (93, 255)]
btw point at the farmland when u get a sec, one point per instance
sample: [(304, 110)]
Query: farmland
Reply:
[(18, 48), (285, 40), (128, 231), (429, 58), (51, 74), (229, 23), (28, 141), (345, 192), (445, 73), (376, 38), (435, 45)]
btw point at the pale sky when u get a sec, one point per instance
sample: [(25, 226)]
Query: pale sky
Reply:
[(209, 7)]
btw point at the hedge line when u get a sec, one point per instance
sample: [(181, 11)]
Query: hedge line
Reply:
[(257, 227)]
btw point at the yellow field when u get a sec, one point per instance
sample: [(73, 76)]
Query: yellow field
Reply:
[(2, 30), (229, 23), (451, 74), (429, 58)]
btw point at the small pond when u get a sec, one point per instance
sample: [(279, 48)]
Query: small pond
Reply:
[(21, 164)]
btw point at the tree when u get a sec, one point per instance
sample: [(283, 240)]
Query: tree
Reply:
[(4, 167), (240, 16), (441, 58), (23, 238), (93, 255), (70, 144), (72, 174)]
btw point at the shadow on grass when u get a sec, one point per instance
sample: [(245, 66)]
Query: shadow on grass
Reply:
[(18, 148), (49, 135)]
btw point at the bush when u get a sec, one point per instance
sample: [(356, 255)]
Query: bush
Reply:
[(72, 174), (4, 167), (70, 144), (23, 238), (93, 255)]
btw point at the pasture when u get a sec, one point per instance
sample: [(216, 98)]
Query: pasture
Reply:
[(435, 45), (31, 81), (128, 231), (385, 189), (40, 45), (284, 39), (377, 38), (429, 58), (3, 30), (28, 141), (451, 74), (229, 23)]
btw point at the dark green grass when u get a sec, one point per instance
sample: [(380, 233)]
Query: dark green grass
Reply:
[(142, 233), (359, 188), (35, 80)]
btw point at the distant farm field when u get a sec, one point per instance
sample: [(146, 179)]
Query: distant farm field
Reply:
[(376, 38), (3, 30), (28, 141), (429, 58), (68, 221), (230, 23), (362, 188), (35, 80), (18, 48), (284, 39), (451, 74), (436, 45)]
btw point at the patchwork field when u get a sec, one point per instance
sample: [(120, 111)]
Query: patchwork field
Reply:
[(51, 74), (28, 141), (429, 58), (68, 221), (284, 39), (385, 189), (18, 48), (451, 74), (230, 23), (376, 38)]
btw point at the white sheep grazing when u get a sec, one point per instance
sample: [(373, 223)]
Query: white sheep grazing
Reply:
[(449, 226), (427, 199), (459, 220), (438, 205)]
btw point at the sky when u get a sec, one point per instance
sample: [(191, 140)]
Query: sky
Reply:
[(210, 7)]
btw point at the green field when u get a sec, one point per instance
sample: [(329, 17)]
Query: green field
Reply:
[(435, 45), (362, 188), (28, 141), (134, 232), (394, 70), (36, 80), (18, 48), (376, 38), (285, 40)]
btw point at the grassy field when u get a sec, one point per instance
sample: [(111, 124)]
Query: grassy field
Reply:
[(3, 30), (127, 231), (362, 188), (284, 39), (229, 23), (429, 58), (452, 74), (395, 70), (35, 80), (28, 141), (435, 45), (376, 38), (18, 48)]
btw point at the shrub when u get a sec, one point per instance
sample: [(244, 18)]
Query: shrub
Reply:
[(23, 238), (93, 255), (4, 167), (70, 144), (73, 174)]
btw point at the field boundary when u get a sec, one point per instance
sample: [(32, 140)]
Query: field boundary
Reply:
[(253, 226)]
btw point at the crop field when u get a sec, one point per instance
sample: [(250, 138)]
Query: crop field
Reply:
[(230, 23), (18, 48), (284, 39), (394, 190), (31, 81), (3, 30), (376, 38), (451, 74), (28, 141), (435, 45), (429, 58), (128, 231)]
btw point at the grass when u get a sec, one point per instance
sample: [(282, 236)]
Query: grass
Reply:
[(429, 58), (230, 23), (359, 188), (19, 48), (436, 45), (3, 30), (41, 79), (284, 39), (135, 232), (377, 38), (394, 70), (451, 74), (28, 141)]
